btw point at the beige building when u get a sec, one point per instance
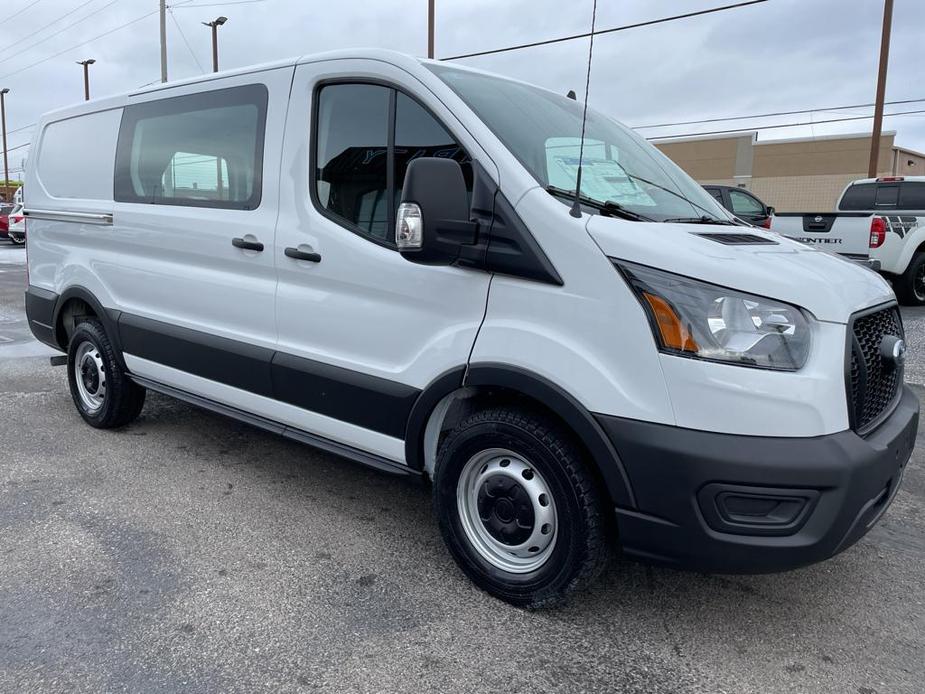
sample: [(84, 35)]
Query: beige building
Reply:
[(800, 175)]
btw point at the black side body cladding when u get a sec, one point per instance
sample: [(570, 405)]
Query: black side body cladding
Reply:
[(366, 401), (234, 363)]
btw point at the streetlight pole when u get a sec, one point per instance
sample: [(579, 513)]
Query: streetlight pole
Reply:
[(6, 163), (163, 9), (86, 63), (215, 24), (881, 89), (430, 29)]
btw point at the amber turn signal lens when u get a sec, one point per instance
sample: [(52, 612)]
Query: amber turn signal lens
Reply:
[(673, 332)]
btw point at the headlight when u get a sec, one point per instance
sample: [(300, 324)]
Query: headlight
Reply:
[(703, 321)]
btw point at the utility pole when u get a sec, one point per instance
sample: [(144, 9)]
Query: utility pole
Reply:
[(430, 29), (163, 40), (6, 164), (881, 89), (215, 24), (86, 63)]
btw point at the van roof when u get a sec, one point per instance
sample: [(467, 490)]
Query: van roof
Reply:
[(118, 100)]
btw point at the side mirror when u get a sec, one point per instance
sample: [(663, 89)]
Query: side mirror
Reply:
[(771, 211), (433, 219)]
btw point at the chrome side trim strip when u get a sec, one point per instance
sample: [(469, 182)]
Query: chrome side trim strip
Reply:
[(69, 216)]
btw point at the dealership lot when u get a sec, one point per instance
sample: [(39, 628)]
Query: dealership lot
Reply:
[(189, 552)]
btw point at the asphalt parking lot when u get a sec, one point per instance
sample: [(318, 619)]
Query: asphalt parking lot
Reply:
[(188, 552)]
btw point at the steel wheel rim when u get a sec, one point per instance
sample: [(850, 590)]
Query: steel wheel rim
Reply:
[(497, 492), (90, 377), (918, 283)]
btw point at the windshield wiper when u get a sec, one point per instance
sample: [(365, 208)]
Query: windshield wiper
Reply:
[(608, 208), (702, 220)]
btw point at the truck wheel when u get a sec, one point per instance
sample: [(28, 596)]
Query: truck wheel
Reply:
[(518, 509), (910, 286), (103, 393)]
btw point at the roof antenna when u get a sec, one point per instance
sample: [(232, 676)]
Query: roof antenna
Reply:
[(576, 206)]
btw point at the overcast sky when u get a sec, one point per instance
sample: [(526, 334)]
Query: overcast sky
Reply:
[(780, 55)]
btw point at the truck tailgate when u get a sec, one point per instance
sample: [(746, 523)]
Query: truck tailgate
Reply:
[(845, 233)]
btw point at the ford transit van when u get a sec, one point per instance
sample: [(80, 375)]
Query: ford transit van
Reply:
[(386, 258)]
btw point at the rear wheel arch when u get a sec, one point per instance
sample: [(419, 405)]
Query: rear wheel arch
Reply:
[(75, 303), (452, 398)]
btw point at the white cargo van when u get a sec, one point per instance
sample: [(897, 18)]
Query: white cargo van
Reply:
[(380, 256)]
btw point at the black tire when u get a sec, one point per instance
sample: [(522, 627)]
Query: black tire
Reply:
[(910, 286), (121, 399), (578, 552), (17, 242)]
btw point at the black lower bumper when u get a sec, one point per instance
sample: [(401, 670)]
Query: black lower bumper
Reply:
[(749, 504)]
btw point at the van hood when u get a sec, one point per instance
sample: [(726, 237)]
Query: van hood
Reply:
[(828, 286)]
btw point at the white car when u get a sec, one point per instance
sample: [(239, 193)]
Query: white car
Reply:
[(899, 242), (17, 225), (383, 257)]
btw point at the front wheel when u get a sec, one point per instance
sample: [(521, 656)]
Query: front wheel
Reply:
[(104, 394), (910, 286), (518, 509)]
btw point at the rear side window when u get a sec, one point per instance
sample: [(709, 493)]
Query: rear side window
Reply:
[(887, 196), (201, 150), (859, 197), (912, 196), (365, 137), (75, 156)]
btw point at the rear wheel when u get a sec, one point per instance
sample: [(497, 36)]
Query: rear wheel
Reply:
[(518, 509), (103, 393), (910, 286)]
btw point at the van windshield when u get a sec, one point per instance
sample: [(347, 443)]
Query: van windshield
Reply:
[(543, 131)]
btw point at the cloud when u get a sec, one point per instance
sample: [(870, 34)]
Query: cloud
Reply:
[(779, 55)]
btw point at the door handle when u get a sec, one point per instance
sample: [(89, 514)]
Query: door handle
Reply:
[(247, 245), (302, 255)]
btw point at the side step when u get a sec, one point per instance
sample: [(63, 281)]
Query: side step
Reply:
[(343, 450)]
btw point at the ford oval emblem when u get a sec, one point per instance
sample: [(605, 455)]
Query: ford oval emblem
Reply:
[(817, 219), (893, 349)]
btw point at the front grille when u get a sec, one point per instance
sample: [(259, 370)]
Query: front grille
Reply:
[(874, 382)]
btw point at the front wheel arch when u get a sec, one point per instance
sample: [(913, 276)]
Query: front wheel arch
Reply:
[(487, 384)]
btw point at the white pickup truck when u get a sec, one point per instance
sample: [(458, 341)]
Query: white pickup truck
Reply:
[(849, 234), (897, 239), (880, 222)]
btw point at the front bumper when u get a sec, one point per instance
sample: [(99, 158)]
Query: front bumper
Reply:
[(727, 503)]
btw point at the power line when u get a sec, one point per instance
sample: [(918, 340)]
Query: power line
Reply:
[(188, 47), (60, 31), (16, 14), (43, 28), (82, 43), (786, 125), (217, 4), (607, 31), (770, 115)]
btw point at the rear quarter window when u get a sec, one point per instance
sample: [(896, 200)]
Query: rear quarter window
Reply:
[(75, 158), (859, 197)]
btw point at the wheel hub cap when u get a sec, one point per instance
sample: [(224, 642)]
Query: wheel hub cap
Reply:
[(507, 511), (90, 377)]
